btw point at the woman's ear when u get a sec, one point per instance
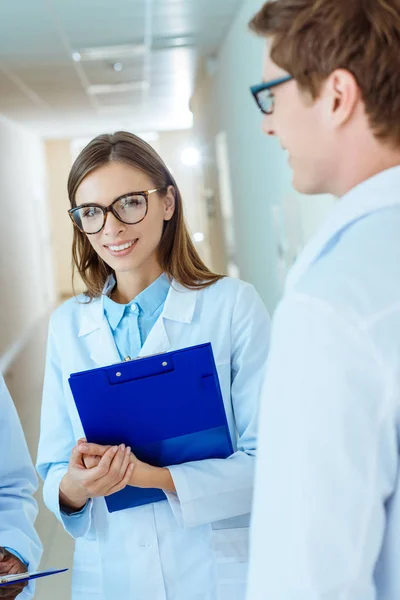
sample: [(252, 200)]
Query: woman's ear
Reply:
[(169, 203)]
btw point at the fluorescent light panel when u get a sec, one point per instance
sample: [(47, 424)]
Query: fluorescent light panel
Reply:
[(109, 52), (117, 88)]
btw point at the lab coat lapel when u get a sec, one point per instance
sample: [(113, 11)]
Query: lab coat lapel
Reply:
[(179, 308), (157, 340), (95, 328), (103, 350)]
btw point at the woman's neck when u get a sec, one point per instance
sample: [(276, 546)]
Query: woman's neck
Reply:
[(131, 283)]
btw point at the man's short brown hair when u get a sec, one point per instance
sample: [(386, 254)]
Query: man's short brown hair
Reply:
[(312, 38)]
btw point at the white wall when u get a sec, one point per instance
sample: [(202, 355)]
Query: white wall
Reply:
[(59, 162), (261, 179), (170, 146), (25, 262)]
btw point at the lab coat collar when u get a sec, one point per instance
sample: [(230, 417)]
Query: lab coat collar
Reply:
[(377, 193), (179, 306), (180, 303)]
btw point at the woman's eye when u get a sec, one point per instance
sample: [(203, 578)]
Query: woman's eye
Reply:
[(90, 212), (130, 202)]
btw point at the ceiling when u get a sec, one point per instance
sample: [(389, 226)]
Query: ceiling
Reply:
[(76, 67)]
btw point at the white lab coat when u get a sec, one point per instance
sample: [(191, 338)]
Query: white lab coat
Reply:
[(327, 502), (194, 545), (18, 483)]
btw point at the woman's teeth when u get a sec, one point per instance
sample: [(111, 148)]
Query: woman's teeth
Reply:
[(122, 247)]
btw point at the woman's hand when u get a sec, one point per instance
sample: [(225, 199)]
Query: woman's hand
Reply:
[(90, 460), (112, 473), (143, 475)]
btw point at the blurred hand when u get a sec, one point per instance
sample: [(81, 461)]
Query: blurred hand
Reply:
[(112, 473), (11, 565)]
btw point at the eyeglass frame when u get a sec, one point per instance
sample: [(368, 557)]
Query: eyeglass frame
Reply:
[(267, 85), (109, 208)]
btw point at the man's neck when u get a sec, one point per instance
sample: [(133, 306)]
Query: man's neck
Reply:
[(363, 166)]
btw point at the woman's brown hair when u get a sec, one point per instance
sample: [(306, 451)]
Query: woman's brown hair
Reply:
[(312, 38), (176, 253)]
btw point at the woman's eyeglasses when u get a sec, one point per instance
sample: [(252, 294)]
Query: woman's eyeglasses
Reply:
[(129, 209)]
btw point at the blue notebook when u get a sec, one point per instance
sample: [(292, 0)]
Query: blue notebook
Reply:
[(167, 407)]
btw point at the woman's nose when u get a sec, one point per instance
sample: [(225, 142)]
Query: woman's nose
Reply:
[(112, 226)]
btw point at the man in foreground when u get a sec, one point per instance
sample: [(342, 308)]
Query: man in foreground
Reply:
[(326, 519)]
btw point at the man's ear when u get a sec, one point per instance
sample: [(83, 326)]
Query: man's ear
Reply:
[(344, 95)]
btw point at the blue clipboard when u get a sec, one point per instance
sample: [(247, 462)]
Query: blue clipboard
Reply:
[(23, 577), (167, 407)]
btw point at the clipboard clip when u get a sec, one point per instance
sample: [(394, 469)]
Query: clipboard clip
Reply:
[(129, 359)]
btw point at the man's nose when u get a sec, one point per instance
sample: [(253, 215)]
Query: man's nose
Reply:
[(268, 126)]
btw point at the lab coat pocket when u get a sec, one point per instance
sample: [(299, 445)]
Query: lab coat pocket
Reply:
[(87, 572), (231, 551)]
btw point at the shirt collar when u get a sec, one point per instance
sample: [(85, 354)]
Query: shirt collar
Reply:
[(148, 301), (113, 311), (374, 194), (180, 306)]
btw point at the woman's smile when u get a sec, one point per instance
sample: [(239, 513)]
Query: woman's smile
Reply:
[(121, 249)]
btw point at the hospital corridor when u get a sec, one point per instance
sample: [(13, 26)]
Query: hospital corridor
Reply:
[(116, 116)]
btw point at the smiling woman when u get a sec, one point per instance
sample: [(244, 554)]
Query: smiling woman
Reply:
[(120, 188), (148, 292)]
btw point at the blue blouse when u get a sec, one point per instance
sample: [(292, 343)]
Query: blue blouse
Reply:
[(131, 323)]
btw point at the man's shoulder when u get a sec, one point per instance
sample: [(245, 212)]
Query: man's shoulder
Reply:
[(358, 273)]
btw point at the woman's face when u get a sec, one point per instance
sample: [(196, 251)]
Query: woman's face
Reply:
[(126, 247)]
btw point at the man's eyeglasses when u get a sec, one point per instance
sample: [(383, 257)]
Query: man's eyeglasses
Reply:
[(129, 209), (263, 96)]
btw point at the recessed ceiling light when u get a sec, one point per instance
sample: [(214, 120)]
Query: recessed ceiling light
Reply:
[(76, 56), (198, 236), (190, 157), (117, 66)]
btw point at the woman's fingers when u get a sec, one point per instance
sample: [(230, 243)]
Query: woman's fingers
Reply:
[(76, 458), (105, 463), (112, 473), (91, 461), (126, 462), (125, 481), (92, 449), (116, 465)]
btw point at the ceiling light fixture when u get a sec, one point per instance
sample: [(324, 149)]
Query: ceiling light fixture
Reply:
[(190, 156), (117, 88), (111, 52)]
